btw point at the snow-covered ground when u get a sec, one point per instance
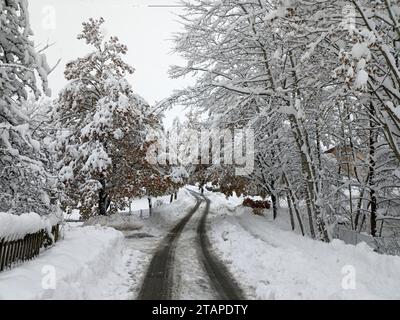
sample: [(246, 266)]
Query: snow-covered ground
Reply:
[(106, 258), (86, 264), (273, 263)]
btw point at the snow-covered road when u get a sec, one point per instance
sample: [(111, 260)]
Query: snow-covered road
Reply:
[(183, 267), (191, 280)]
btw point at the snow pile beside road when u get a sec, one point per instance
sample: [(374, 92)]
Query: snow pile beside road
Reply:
[(87, 264), (14, 227), (271, 263), (119, 221)]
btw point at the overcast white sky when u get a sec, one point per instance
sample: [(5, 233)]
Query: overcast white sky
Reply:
[(145, 29)]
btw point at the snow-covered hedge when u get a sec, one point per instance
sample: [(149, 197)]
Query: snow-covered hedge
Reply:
[(15, 227)]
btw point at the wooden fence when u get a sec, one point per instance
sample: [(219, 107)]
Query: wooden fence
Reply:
[(27, 248)]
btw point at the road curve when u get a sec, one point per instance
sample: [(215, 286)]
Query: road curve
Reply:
[(157, 284), (224, 284)]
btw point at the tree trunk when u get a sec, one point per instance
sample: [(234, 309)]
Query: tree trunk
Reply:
[(150, 205), (104, 202), (299, 220), (308, 169), (307, 179), (311, 186), (171, 198), (362, 223), (290, 211), (359, 207), (372, 193), (274, 199), (274, 205), (293, 201), (176, 195)]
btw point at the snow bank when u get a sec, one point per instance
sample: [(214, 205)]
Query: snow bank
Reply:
[(87, 264), (14, 227), (271, 263), (119, 221)]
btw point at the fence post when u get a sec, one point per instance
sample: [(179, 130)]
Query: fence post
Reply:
[(20, 246), (42, 238), (30, 246), (37, 244), (2, 246), (13, 252), (25, 250), (26, 253), (7, 258)]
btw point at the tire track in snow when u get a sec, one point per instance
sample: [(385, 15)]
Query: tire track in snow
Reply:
[(158, 282), (199, 275), (191, 281), (224, 284)]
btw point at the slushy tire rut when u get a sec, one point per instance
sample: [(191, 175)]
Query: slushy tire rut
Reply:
[(158, 282), (224, 284)]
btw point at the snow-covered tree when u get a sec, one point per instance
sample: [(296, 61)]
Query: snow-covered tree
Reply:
[(307, 77), (23, 176), (102, 128)]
